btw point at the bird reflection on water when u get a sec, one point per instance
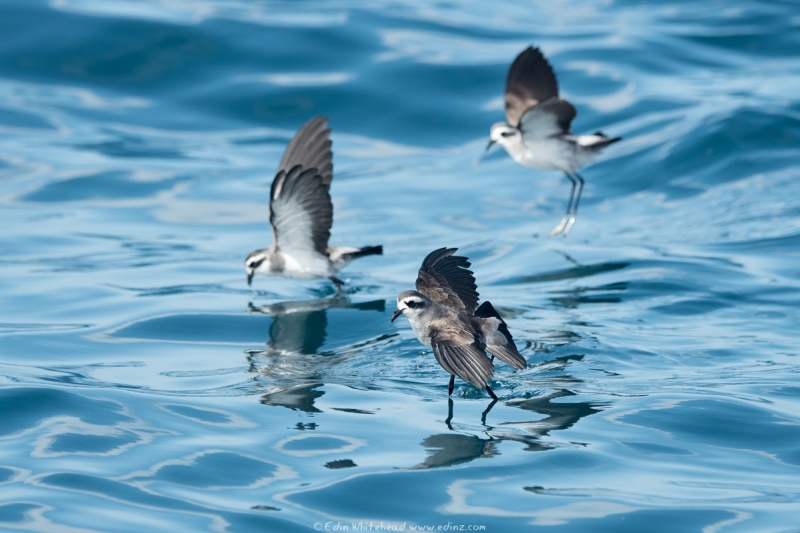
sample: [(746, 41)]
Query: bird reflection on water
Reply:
[(300, 327), (449, 449), (296, 398), (560, 416), (294, 360)]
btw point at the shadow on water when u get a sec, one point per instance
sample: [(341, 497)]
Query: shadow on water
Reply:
[(293, 327), (604, 294), (130, 146), (110, 185), (579, 271)]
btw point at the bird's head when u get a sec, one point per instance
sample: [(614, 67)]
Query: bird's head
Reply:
[(411, 304), (256, 262), (502, 133)]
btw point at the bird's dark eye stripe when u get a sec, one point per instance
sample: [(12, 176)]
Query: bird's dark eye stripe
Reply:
[(506, 133), (256, 264), (412, 304)]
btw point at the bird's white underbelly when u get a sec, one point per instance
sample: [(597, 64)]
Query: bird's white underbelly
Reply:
[(308, 266), (547, 154), (551, 154), (490, 332)]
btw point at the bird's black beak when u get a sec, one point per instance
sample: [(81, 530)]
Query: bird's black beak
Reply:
[(491, 142), (397, 313), (250, 278)]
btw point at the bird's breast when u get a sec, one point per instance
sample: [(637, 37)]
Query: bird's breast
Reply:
[(422, 332)]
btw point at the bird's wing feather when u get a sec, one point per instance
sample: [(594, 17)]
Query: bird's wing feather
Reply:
[(301, 212), (459, 353), (300, 209), (499, 341), (446, 279), (311, 148), (547, 119), (530, 81)]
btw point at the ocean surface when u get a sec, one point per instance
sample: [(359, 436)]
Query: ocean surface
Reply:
[(145, 387)]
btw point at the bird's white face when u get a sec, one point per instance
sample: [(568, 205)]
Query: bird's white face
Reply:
[(411, 304), (503, 134), (257, 261)]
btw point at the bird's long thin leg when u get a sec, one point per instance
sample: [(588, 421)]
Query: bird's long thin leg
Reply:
[(452, 385), (571, 192), (491, 392), (486, 411), (339, 284), (561, 225), (575, 207), (449, 414)]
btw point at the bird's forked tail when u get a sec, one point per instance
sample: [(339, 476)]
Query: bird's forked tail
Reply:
[(500, 343), (361, 252)]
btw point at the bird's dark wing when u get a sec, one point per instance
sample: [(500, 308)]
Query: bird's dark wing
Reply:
[(301, 212), (547, 119), (530, 81), (499, 341), (459, 352), (311, 148), (446, 279)]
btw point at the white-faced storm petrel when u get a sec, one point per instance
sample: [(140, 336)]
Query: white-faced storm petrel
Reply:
[(443, 315), (537, 134), (301, 213)]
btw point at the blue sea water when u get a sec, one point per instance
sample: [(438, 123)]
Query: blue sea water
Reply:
[(144, 386)]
